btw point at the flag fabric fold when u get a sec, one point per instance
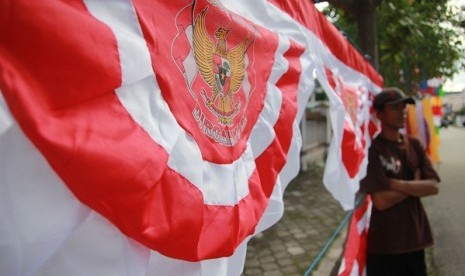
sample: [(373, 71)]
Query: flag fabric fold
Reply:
[(133, 132), (350, 82), (354, 256), (334, 60)]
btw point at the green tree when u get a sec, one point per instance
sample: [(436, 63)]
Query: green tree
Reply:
[(409, 40)]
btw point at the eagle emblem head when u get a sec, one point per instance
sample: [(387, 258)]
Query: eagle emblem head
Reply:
[(221, 33)]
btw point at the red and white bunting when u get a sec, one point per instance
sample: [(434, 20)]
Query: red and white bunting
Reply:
[(349, 81), (354, 257), (146, 137)]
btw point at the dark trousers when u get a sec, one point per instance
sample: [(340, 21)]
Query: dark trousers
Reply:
[(407, 264)]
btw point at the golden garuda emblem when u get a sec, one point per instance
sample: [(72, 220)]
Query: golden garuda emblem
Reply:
[(221, 68)]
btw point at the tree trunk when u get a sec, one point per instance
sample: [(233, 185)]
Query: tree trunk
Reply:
[(364, 13), (365, 16)]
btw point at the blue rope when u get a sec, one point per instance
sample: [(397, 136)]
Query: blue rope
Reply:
[(328, 243)]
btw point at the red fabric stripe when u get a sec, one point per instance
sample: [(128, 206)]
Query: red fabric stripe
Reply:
[(26, 50), (355, 247), (271, 161), (352, 152), (305, 12), (179, 225)]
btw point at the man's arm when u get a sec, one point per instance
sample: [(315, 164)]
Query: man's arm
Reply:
[(387, 199), (419, 188), (401, 189)]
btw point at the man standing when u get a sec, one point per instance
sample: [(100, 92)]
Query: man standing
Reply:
[(398, 174)]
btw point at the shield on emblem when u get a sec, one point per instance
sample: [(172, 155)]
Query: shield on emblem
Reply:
[(223, 71)]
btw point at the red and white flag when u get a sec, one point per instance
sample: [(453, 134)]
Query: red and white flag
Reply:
[(354, 257), (349, 81), (348, 111), (148, 137)]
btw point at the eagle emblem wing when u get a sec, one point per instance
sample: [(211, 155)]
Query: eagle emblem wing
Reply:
[(204, 50), (236, 60)]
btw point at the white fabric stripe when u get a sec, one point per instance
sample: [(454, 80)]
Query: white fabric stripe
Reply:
[(342, 267), (120, 15), (228, 266), (144, 102), (37, 211), (6, 120), (275, 208), (355, 269), (220, 184), (96, 247), (364, 222), (263, 133)]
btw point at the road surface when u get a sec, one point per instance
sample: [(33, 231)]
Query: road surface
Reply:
[(446, 210)]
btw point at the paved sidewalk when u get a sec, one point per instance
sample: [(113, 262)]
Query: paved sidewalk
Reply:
[(310, 218)]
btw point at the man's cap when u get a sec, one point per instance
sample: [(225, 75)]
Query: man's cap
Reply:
[(391, 95)]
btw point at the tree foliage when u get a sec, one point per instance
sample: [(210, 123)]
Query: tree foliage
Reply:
[(417, 39)]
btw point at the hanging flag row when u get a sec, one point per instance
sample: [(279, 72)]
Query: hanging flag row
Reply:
[(350, 83), (153, 138)]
